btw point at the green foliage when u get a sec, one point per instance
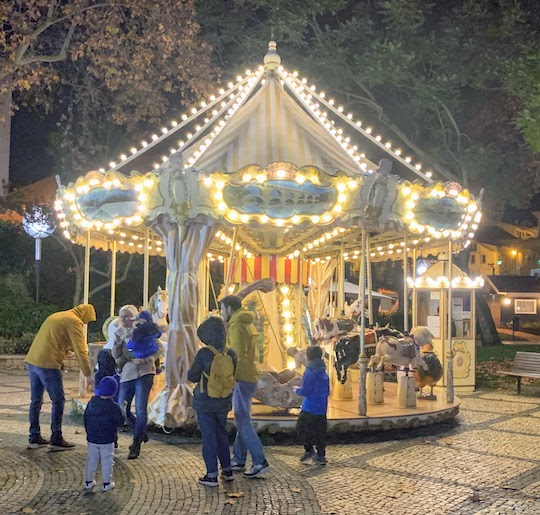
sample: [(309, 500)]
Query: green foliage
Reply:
[(16, 252), (523, 80), (19, 345), (503, 352), (19, 314), (457, 84)]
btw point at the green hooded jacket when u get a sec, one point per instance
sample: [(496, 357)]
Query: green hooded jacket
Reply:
[(242, 338)]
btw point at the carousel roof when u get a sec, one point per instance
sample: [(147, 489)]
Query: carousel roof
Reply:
[(270, 156), (271, 127)]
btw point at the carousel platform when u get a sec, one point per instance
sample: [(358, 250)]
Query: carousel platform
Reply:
[(342, 414)]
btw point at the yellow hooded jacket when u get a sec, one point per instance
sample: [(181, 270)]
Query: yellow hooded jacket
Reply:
[(242, 337), (60, 333)]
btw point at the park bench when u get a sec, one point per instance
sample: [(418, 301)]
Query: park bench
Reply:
[(526, 364)]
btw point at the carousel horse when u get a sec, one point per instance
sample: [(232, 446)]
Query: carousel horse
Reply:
[(347, 349), (400, 352), (158, 305), (354, 310)]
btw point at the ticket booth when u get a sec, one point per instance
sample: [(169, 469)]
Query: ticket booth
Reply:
[(432, 303)]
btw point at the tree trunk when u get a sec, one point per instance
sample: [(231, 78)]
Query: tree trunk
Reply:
[(5, 136), (484, 318)]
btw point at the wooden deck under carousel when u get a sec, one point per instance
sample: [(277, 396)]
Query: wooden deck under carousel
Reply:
[(342, 414)]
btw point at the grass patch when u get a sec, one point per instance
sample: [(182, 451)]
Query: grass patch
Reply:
[(489, 360), (508, 337), (502, 352)]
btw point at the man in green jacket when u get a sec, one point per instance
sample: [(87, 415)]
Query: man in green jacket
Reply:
[(61, 333), (242, 337)]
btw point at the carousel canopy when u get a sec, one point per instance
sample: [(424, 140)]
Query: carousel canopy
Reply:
[(278, 165)]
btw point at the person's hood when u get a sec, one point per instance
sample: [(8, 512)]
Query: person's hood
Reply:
[(317, 365), (106, 361), (146, 330), (85, 312), (144, 316), (243, 316)]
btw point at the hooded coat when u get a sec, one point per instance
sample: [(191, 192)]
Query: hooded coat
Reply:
[(143, 342), (106, 368), (102, 417), (60, 333), (242, 338), (202, 363), (315, 388)]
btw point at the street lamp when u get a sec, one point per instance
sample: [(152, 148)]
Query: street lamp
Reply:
[(422, 266), (38, 225), (514, 253)]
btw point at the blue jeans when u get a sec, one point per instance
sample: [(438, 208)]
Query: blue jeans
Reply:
[(49, 379), (215, 445), (140, 389), (247, 438)]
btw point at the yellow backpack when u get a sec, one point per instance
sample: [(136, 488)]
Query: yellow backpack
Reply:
[(220, 381)]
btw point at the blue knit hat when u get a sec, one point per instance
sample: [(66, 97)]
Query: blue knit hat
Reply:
[(144, 315), (108, 387)]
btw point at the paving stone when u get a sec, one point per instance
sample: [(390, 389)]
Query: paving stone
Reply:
[(491, 451)]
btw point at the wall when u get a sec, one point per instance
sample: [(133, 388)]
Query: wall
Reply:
[(507, 312)]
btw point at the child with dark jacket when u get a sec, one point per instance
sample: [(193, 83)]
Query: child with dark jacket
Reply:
[(311, 424), (106, 366), (212, 411), (102, 418)]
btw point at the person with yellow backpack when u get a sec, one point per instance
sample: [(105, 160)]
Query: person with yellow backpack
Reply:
[(213, 372)]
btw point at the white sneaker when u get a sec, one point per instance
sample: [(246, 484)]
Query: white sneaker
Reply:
[(257, 470), (88, 485), (108, 486)]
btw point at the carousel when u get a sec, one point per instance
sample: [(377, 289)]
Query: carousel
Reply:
[(268, 177)]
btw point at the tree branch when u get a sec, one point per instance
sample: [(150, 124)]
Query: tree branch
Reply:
[(404, 138), (19, 59), (107, 283)]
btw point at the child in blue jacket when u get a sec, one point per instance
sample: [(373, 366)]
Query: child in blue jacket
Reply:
[(311, 425), (102, 418)]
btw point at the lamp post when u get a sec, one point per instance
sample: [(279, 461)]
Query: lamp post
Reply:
[(514, 253), (38, 225)]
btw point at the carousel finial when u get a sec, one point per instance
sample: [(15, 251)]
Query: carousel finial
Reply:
[(272, 59)]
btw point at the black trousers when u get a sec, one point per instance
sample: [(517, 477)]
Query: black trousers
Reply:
[(312, 432)]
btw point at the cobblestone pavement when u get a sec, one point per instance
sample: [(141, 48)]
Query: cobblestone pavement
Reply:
[(488, 462)]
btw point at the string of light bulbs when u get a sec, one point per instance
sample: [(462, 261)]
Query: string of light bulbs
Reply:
[(355, 124)]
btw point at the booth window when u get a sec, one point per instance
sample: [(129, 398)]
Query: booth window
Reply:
[(525, 307)]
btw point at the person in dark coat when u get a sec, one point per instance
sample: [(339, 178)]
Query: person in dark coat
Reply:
[(102, 418), (311, 425), (212, 412), (106, 365)]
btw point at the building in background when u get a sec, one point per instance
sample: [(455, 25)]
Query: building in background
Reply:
[(513, 297)]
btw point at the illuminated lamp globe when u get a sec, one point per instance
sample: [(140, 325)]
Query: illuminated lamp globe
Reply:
[(422, 266), (37, 224)]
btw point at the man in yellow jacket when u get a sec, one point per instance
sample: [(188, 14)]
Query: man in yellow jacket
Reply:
[(242, 337), (61, 333)]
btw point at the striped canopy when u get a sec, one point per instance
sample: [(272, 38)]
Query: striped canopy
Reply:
[(272, 127)]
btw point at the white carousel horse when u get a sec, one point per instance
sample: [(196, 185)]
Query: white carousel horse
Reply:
[(158, 305), (354, 310)]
